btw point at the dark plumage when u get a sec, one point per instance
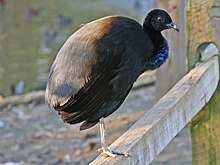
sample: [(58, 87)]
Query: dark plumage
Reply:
[(97, 66)]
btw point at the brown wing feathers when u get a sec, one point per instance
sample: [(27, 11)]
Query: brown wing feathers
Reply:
[(92, 96), (91, 99), (73, 64)]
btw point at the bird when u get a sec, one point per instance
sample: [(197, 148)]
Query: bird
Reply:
[(98, 64), (17, 89)]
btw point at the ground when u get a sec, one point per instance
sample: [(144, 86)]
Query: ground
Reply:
[(33, 134)]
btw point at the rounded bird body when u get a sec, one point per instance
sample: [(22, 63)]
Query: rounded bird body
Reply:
[(97, 66)]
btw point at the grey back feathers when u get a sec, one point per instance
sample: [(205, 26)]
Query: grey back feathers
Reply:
[(71, 69)]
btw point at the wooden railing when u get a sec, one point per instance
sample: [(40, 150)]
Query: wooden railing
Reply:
[(195, 98), (151, 134)]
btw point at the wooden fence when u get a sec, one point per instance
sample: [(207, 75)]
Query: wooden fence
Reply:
[(194, 98)]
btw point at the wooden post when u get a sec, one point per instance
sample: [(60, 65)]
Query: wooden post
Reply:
[(205, 127), (215, 17), (205, 133), (175, 67)]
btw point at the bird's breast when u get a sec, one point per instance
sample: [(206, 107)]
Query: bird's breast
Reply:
[(159, 58)]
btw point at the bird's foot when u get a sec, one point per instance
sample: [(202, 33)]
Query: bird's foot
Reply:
[(106, 152)]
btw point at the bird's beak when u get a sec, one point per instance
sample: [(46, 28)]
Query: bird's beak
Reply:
[(173, 26)]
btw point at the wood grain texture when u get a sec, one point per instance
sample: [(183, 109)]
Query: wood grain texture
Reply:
[(199, 28), (148, 136), (203, 28), (205, 133), (215, 20)]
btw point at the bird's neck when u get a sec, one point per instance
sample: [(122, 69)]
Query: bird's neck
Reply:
[(161, 49)]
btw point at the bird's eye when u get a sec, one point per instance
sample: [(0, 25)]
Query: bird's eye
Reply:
[(160, 19)]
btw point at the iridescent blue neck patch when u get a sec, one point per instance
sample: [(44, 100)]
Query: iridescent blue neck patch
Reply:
[(158, 59)]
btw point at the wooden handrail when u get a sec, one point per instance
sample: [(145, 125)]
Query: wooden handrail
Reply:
[(151, 134)]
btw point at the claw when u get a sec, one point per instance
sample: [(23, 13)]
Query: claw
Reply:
[(106, 152), (113, 154), (121, 153)]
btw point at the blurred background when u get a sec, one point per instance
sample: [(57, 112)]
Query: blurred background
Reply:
[(31, 33)]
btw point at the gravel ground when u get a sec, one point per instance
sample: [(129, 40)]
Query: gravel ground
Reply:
[(34, 135)]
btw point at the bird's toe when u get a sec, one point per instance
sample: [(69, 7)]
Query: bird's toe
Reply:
[(106, 152), (109, 153), (121, 153)]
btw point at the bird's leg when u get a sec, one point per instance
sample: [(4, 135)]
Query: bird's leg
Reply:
[(105, 150)]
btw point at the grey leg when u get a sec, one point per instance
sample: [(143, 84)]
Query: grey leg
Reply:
[(105, 150)]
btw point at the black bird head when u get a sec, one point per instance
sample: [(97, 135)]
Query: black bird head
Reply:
[(159, 20)]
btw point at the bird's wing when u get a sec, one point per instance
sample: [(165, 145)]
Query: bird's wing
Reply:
[(73, 64), (92, 70), (107, 82)]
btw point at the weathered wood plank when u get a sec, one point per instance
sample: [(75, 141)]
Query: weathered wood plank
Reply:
[(205, 126), (148, 136)]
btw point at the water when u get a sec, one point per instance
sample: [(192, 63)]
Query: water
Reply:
[(31, 33)]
